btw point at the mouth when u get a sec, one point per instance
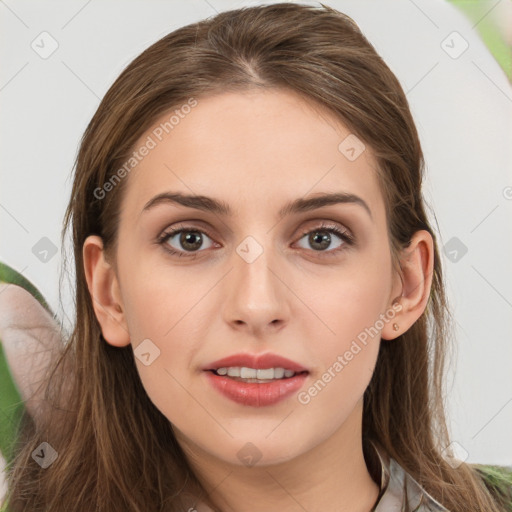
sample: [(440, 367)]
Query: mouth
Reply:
[(256, 380)]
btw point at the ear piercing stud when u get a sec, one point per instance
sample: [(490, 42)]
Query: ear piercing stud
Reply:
[(396, 327)]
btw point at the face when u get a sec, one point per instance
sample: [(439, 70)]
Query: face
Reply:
[(313, 285)]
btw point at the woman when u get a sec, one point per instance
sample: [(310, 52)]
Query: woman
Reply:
[(261, 319)]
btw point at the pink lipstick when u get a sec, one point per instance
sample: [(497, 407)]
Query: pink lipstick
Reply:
[(256, 380)]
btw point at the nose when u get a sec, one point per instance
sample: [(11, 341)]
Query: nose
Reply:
[(256, 299)]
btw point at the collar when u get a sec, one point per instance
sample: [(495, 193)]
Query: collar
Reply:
[(399, 492)]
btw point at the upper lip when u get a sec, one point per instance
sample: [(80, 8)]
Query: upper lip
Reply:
[(256, 361)]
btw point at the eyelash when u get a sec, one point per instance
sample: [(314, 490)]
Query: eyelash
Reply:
[(344, 235)]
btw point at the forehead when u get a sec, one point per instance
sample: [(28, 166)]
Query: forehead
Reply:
[(253, 150)]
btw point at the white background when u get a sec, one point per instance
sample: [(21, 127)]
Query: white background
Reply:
[(463, 111)]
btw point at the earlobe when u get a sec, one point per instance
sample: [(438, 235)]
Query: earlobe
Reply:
[(104, 290), (417, 264)]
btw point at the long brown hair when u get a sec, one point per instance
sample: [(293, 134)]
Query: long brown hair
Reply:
[(116, 451)]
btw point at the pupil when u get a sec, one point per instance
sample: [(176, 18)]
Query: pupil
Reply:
[(187, 238), (316, 238)]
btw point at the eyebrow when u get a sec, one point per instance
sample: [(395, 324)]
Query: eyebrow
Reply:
[(209, 204)]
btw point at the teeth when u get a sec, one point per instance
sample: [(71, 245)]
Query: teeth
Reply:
[(279, 373), (253, 373), (269, 373), (250, 373)]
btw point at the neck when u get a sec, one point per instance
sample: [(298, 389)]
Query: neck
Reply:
[(331, 477)]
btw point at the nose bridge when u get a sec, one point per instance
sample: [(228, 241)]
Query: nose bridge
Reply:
[(255, 295)]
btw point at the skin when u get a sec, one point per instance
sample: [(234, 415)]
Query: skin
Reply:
[(256, 151)]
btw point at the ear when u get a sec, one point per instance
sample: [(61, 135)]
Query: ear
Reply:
[(105, 293), (417, 264)]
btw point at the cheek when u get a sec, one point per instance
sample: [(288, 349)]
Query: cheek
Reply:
[(159, 300), (171, 320), (345, 360), (159, 324), (348, 304), (352, 309), (165, 317)]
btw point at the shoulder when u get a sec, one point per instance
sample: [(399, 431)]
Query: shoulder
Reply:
[(498, 480)]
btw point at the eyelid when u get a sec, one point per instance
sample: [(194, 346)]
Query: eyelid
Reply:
[(322, 223)]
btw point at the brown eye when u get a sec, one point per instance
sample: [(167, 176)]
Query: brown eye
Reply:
[(321, 239), (184, 240)]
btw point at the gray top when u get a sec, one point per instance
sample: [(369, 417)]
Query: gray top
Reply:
[(399, 492)]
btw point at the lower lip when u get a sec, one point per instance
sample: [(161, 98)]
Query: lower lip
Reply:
[(254, 394)]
